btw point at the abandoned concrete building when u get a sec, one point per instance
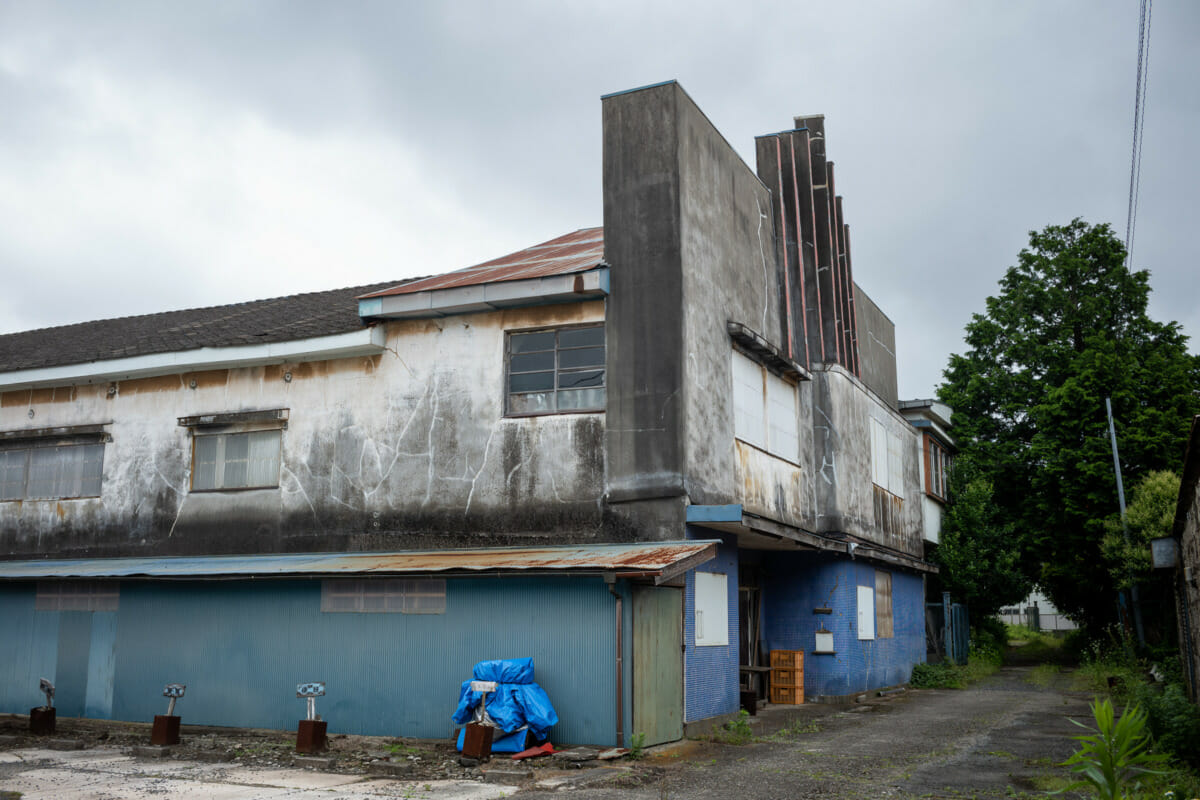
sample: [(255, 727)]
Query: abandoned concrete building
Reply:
[(645, 454)]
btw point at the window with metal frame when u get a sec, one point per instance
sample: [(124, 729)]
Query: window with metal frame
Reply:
[(222, 461), (937, 468), (77, 596), (555, 371), (384, 596), (50, 470)]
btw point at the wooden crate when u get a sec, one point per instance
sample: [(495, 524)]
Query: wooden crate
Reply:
[(787, 659), (787, 677), (787, 695)]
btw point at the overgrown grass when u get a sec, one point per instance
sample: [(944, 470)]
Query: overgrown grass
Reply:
[(983, 660), (1027, 646), (736, 731), (1043, 675)]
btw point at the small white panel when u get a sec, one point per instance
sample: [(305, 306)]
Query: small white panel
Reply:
[(712, 609), (866, 612)]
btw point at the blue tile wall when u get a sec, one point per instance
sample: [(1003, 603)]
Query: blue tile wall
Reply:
[(796, 583), (711, 672)]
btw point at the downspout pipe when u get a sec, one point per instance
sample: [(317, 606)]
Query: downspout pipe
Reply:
[(611, 580)]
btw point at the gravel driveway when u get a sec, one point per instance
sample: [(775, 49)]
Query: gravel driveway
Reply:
[(1004, 732)]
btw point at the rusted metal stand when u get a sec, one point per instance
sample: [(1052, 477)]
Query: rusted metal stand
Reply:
[(310, 733), (42, 720), (166, 726)]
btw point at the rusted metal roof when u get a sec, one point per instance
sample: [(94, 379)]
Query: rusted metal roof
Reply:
[(661, 560), (574, 252)]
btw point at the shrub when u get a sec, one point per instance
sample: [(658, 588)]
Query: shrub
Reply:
[(935, 676)]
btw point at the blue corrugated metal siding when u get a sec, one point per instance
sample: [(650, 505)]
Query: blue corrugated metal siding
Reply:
[(101, 665), (799, 582), (28, 648), (711, 672), (74, 644), (241, 647)]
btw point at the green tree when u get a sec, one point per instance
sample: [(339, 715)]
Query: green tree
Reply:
[(1150, 515), (1069, 328), (977, 551)]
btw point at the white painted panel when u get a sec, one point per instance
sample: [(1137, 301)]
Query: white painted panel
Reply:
[(748, 407), (712, 609), (783, 434), (866, 612), (879, 454)]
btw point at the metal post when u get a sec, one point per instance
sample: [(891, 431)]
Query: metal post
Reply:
[(1137, 606)]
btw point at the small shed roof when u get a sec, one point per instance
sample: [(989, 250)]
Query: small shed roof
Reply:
[(659, 560)]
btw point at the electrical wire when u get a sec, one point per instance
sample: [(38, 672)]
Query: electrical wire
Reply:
[(1139, 119)]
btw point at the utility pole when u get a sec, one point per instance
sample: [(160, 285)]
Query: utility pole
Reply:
[(1137, 605)]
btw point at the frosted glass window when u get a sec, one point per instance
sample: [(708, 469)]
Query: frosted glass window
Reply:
[(51, 472), (712, 609), (77, 596), (764, 409), (384, 596), (235, 460), (895, 483), (866, 612)]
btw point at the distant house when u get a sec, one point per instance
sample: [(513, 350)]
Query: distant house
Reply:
[(1187, 585), (932, 419), (645, 454)]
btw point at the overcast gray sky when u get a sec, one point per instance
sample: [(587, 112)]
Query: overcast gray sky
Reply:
[(159, 155)]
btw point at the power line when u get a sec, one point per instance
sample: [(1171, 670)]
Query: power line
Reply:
[(1139, 118)]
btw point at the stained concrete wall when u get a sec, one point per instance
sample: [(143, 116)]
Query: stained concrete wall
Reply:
[(843, 410), (407, 449)]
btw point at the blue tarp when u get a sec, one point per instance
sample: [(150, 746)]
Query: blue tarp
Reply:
[(518, 703)]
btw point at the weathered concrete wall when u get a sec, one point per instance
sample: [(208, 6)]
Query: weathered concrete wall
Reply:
[(644, 444), (403, 450), (843, 410), (876, 348), (689, 231)]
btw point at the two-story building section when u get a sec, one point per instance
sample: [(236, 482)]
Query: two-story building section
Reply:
[(644, 454)]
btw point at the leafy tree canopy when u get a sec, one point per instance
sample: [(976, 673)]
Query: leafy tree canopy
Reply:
[(977, 550), (1150, 515), (1068, 329)]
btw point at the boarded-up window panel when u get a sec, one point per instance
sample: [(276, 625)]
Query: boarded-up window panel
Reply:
[(883, 605), (784, 432), (879, 454), (748, 406)]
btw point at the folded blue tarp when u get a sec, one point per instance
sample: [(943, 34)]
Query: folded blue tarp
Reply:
[(517, 704)]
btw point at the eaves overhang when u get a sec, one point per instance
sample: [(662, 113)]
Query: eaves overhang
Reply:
[(756, 345), (759, 533), (575, 287), (364, 342), (657, 561)]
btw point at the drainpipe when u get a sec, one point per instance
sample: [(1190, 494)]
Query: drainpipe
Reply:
[(611, 580)]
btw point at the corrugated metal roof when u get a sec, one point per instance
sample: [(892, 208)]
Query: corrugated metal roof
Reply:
[(574, 252), (649, 558)]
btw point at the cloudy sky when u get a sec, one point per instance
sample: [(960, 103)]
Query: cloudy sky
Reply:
[(168, 155)]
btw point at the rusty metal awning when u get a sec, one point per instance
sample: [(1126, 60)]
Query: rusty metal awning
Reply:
[(660, 561)]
